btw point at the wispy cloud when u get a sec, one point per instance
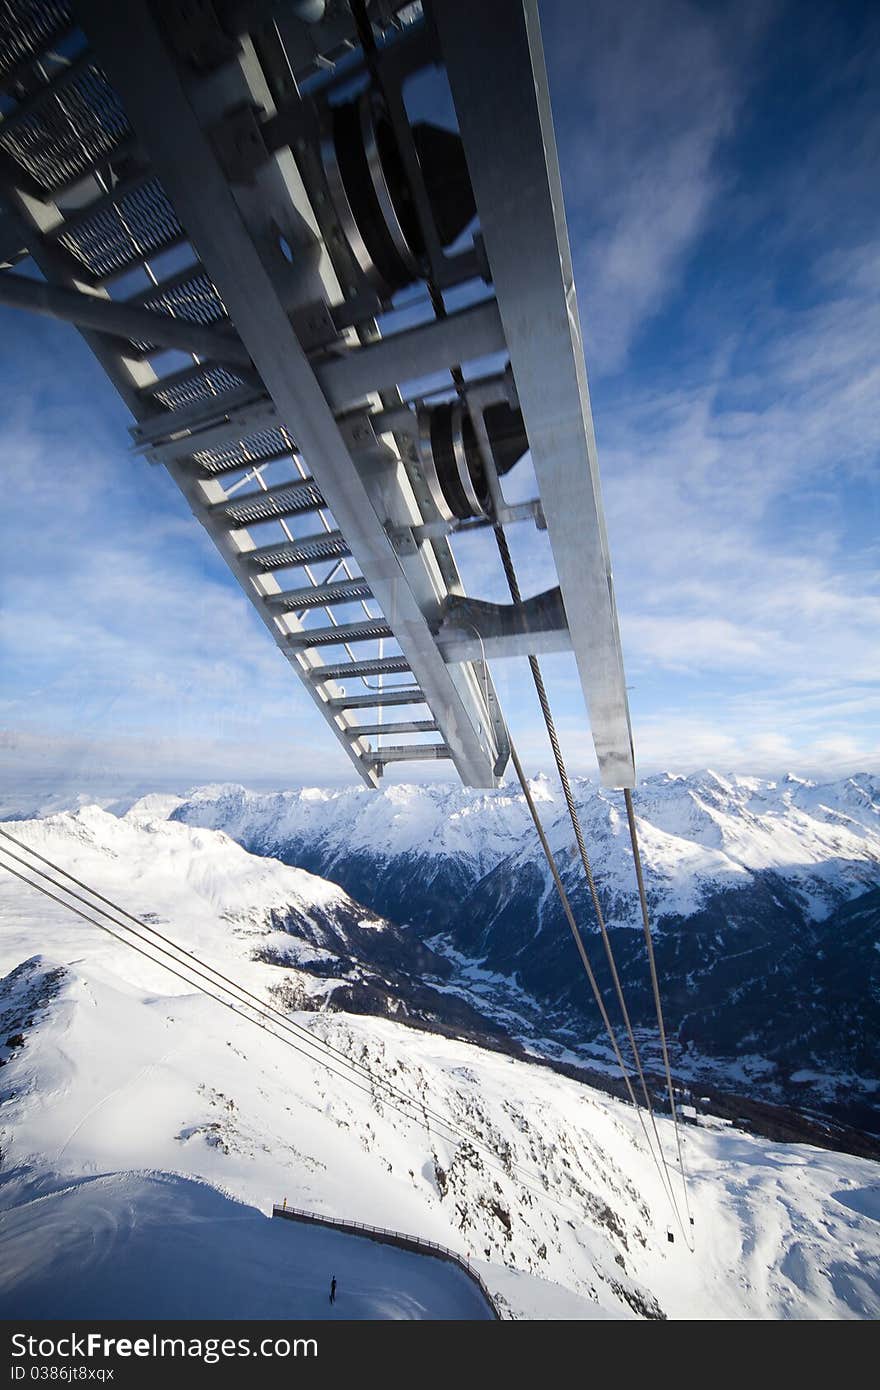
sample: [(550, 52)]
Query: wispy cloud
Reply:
[(643, 94)]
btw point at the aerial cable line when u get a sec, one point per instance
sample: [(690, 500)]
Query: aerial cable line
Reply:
[(665, 1182), (162, 964), (516, 595), (511, 1170), (261, 1023), (655, 983), (214, 977)]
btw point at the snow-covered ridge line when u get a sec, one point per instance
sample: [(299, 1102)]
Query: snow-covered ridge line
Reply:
[(699, 830)]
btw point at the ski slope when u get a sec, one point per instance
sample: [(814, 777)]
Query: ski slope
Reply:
[(137, 1245)]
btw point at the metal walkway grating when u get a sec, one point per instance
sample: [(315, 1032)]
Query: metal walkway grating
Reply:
[(370, 630), (288, 499), (66, 132), (28, 27), (354, 670), (121, 235), (319, 595), (373, 699), (193, 298), (252, 449), (330, 546), (195, 386)]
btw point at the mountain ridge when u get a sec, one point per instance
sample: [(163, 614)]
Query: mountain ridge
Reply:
[(770, 983), (748, 880)]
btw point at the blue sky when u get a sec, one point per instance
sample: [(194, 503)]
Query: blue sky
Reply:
[(720, 168)]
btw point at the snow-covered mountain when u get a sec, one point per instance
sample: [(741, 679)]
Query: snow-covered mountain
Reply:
[(112, 1067), (700, 834), (766, 961), (345, 955)]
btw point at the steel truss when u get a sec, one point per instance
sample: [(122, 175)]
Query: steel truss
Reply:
[(230, 199)]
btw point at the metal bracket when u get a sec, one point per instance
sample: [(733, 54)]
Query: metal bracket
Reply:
[(471, 628), (239, 145), (314, 326), (358, 433), (402, 538)]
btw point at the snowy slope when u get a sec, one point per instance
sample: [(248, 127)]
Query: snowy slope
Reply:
[(134, 1245), (124, 1070), (279, 915)]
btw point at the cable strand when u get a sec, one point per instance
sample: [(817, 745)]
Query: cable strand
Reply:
[(655, 984), (665, 1182), (511, 1168), (550, 724)]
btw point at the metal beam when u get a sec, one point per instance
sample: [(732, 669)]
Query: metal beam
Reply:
[(413, 354), (165, 434), (411, 752), (508, 134), (119, 320)]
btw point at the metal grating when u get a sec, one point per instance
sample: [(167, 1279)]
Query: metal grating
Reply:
[(68, 132), (213, 381), (352, 670), (374, 698), (370, 630), (141, 223), (28, 26), (319, 595), (290, 499), (195, 300), (397, 726), (329, 546), (254, 448), (412, 752)]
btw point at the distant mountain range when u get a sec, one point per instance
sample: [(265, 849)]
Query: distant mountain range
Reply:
[(765, 898)]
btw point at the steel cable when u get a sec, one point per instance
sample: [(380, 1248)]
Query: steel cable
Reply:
[(550, 724), (665, 1182), (269, 1015), (655, 983), (213, 977)]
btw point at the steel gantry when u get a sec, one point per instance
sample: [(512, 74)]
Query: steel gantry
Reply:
[(337, 326)]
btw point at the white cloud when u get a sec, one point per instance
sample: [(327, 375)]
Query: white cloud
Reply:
[(642, 94)]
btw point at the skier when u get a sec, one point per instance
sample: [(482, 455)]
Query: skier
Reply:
[(333, 1289)]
